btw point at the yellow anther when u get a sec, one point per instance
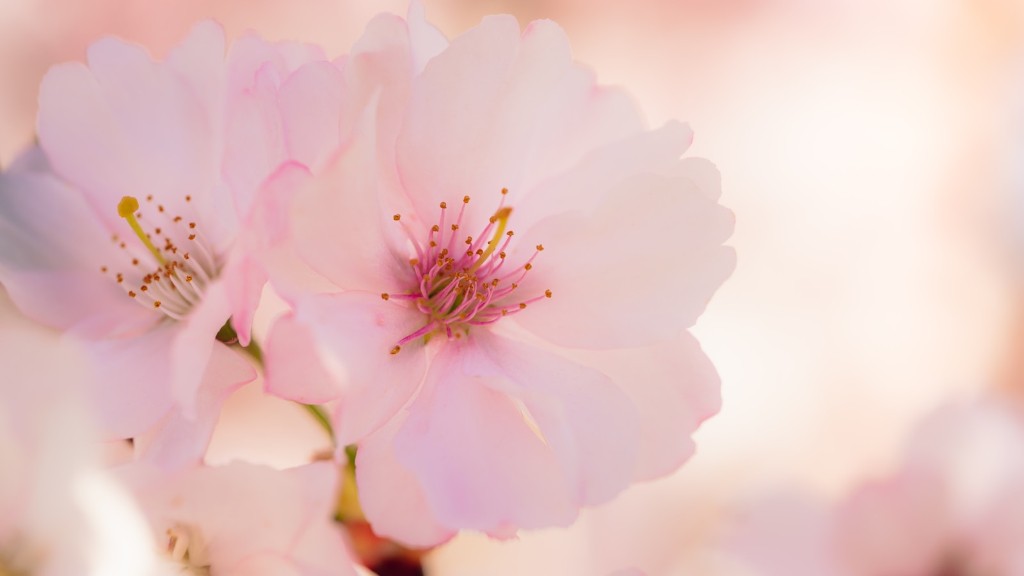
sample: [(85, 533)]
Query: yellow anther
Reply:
[(501, 217), (126, 209), (127, 206)]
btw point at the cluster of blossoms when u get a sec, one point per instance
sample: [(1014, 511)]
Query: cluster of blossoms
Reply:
[(954, 507), (490, 265)]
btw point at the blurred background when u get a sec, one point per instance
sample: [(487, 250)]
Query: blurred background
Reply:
[(872, 152)]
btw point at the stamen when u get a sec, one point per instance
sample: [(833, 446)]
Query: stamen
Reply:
[(456, 289), (126, 209)]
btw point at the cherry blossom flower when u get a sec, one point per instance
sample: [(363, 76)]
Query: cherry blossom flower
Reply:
[(954, 507), (244, 519), (509, 261), (60, 513), (122, 229)]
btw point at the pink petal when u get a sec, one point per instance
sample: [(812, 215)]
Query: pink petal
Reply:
[(426, 40), (674, 387), (199, 61), (248, 56), (342, 208), (507, 436), (127, 126), (292, 365), (267, 564), (588, 421), (311, 101), (586, 183), (194, 342), (465, 131), (133, 381), (391, 496), (266, 252), (354, 335), (527, 115), (244, 277), (480, 465), (254, 138), (180, 439), (894, 527), (787, 534), (378, 76), (51, 260), (245, 512), (638, 270)]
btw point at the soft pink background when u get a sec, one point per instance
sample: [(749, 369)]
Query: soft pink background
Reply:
[(869, 149)]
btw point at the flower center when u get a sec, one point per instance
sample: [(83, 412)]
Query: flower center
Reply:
[(164, 275), (187, 549), (464, 282)]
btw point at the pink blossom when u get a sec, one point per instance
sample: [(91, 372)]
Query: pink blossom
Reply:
[(244, 519), (123, 229), (509, 262), (60, 513), (953, 507)]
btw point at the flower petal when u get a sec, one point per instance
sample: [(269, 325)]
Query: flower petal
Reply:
[(53, 256), (293, 367), (480, 464), (354, 335), (193, 344), (529, 113), (899, 526), (391, 496), (180, 439), (588, 420), (587, 183), (638, 270), (504, 435), (244, 512), (310, 101), (674, 387), (355, 248), (427, 41), (254, 137), (133, 381), (127, 126)]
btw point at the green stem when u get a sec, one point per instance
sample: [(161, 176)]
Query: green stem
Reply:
[(227, 335), (320, 415)]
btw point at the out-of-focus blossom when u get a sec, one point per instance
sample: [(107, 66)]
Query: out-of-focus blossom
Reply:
[(244, 519), (60, 514), (956, 506), (514, 260), (123, 228)]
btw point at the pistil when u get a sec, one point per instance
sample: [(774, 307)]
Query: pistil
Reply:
[(126, 209)]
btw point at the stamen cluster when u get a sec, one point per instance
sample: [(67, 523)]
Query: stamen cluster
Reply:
[(166, 278), (464, 282), (186, 547)]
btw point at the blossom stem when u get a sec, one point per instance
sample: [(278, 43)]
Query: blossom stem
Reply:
[(320, 415), (227, 335)]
